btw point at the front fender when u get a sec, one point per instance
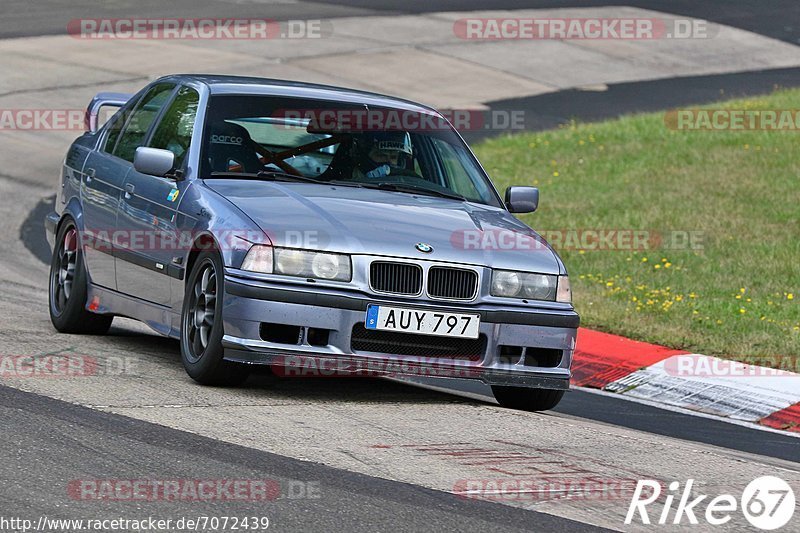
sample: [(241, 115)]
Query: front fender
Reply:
[(204, 214)]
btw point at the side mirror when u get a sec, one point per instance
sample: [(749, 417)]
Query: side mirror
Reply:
[(522, 199), (153, 161)]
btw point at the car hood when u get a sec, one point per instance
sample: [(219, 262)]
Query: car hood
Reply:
[(374, 222)]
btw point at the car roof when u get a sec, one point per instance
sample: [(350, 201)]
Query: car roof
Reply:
[(244, 85)]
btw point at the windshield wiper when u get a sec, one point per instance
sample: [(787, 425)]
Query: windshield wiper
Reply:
[(266, 175), (413, 189)]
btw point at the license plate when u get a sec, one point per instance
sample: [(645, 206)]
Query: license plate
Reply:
[(403, 319)]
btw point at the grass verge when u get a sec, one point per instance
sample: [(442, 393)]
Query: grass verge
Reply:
[(735, 291)]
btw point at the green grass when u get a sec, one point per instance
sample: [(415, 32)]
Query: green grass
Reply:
[(736, 297)]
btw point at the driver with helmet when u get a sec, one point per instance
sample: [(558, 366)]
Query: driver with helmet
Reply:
[(376, 155)]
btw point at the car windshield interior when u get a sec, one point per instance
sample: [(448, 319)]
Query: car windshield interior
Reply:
[(341, 143)]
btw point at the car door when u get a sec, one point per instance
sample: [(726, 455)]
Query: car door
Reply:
[(149, 205), (132, 135), (101, 187)]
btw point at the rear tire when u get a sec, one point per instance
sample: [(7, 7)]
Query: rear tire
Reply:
[(525, 399), (201, 326), (68, 287)]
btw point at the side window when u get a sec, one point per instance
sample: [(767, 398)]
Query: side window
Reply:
[(116, 123), (140, 121), (174, 132)]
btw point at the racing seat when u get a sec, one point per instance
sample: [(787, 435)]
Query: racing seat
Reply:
[(230, 149), (341, 165)]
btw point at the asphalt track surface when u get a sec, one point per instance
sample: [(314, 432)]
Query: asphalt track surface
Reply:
[(48, 442), (548, 111), (46, 434), (775, 18), (779, 19)]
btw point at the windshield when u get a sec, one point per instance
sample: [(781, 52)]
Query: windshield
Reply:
[(395, 150)]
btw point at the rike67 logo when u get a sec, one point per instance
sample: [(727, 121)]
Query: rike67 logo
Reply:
[(767, 502)]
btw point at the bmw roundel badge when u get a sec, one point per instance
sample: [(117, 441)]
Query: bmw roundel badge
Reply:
[(424, 247)]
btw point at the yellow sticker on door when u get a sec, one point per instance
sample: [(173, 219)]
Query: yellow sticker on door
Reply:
[(173, 195)]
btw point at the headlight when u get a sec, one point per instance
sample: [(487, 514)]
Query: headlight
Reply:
[(524, 285), (290, 262), (505, 283), (299, 263)]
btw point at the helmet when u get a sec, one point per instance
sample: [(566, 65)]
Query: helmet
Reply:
[(382, 148), (393, 142)]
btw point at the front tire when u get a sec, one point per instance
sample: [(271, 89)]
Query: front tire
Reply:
[(201, 326), (526, 399), (68, 287)]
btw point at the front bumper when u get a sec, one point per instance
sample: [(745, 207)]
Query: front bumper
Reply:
[(249, 303)]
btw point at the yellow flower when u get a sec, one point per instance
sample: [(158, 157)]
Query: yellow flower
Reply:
[(644, 260), (692, 295), (657, 266), (555, 174), (790, 296), (742, 290), (742, 310), (667, 264)]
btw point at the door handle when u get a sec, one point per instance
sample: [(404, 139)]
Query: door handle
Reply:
[(129, 188), (89, 175)]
